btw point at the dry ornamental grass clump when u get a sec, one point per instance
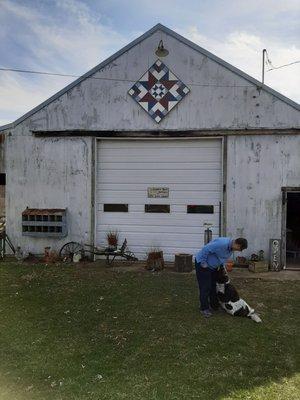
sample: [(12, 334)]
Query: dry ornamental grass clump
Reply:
[(112, 237)]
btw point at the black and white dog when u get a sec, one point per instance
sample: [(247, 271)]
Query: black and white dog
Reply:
[(229, 298)]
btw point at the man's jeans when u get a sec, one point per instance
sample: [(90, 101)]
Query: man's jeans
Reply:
[(207, 286)]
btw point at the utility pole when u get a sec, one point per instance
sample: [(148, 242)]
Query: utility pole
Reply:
[(263, 66)]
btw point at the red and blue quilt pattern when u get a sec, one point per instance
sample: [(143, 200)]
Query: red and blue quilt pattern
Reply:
[(158, 91)]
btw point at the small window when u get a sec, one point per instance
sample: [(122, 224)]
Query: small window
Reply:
[(157, 208), (196, 209), (3, 179), (115, 208)]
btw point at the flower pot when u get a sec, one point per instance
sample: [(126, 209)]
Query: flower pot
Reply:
[(155, 261)]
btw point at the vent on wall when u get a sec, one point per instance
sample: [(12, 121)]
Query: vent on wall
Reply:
[(44, 222)]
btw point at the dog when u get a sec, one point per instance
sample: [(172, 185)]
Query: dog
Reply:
[(229, 298)]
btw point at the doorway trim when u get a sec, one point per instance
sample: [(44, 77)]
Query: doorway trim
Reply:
[(284, 191)]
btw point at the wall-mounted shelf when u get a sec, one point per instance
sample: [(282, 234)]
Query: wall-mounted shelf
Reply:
[(48, 222)]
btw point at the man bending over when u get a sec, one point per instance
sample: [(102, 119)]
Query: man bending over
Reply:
[(207, 260)]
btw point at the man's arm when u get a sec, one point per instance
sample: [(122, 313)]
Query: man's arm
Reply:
[(207, 249)]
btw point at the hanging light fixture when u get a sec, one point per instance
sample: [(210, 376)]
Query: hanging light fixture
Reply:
[(161, 51)]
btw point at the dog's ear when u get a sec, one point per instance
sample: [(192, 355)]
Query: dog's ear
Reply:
[(221, 276), (242, 312), (233, 293)]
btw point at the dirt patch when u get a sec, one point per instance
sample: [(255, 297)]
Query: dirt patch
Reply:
[(100, 267), (272, 276)]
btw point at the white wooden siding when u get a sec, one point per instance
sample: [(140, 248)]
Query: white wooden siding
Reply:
[(191, 169)]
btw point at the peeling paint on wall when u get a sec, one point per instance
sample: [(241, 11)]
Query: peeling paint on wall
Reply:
[(260, 167)]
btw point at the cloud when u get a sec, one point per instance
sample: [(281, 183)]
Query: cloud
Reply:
[(244, 51), (72, 47), (20, 94)]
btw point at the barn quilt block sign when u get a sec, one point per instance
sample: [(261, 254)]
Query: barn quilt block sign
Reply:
[(158, 91)]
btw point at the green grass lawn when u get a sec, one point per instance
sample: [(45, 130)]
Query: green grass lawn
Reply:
[(76, 332)]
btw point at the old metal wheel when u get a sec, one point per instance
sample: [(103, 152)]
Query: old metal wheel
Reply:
[(130, 258), (69, 249)]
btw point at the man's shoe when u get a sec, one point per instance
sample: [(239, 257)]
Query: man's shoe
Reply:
[(206, 313)]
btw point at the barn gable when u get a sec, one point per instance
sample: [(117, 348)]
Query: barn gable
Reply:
[(221, 96)]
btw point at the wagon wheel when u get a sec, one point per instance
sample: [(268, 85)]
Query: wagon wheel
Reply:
[(69, 249), (130, 258)]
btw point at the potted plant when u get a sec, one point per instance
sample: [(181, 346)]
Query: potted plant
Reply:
[(155, 259), (112, 237)]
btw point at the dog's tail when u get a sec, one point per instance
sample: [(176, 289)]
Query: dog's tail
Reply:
[(255, 317)]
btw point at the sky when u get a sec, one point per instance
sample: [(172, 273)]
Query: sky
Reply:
[(73, 36)]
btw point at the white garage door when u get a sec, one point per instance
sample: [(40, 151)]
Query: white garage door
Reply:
[(130, 172)]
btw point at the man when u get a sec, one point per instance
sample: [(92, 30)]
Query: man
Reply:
[(207, 261)]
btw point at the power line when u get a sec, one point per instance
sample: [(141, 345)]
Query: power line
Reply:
[(285, 65), (105, 79), (269, 63), (56, 74)]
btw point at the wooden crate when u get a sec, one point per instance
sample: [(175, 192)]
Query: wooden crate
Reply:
[(258, 266)]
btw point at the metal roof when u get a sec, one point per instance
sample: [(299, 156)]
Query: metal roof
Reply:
[(170, 32)]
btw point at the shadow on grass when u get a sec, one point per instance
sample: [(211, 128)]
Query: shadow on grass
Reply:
[(75, 333)]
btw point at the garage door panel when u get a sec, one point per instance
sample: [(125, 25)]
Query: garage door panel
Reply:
[(154, 144), (118, 219), (174, 208), (162, 240), (153, 158), (112, 166), (159, 177), (178, 187), (140, 197), (160, 154), (125, 229)]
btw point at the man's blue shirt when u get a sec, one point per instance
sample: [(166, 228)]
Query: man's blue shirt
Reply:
[(215, 253)]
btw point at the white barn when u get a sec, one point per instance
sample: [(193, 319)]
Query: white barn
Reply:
[(155, 148)]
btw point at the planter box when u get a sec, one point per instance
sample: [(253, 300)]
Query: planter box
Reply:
[(258, 266), (183, 262), (155, 261)]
